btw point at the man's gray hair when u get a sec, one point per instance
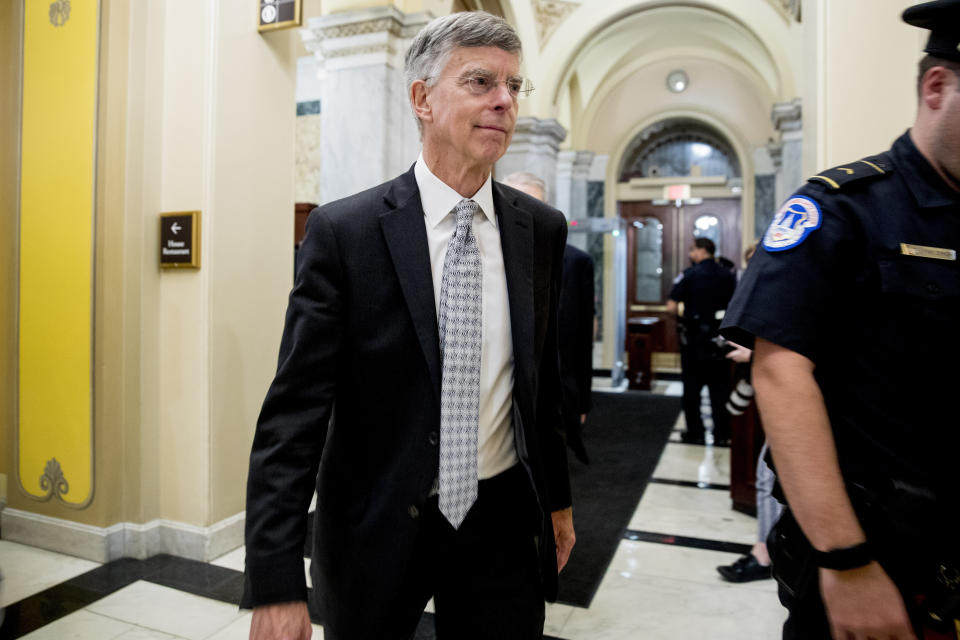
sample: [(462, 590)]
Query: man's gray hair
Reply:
[(526, 179), (431, 48)]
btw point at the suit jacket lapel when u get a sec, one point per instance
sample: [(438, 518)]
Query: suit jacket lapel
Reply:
[(516, 239), (406, 237)]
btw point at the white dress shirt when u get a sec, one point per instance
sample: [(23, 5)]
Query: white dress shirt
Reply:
[(495, 446)]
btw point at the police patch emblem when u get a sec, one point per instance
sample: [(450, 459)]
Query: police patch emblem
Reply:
[(793, 223)]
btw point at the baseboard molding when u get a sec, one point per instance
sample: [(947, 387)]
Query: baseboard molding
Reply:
[(125, 539)]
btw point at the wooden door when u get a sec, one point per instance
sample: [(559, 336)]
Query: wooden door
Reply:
[(659, 237)]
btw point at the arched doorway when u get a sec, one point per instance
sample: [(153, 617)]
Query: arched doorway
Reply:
[(688, 181)]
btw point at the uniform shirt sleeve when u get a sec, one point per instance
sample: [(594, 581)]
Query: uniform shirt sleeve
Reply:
[(679, 288), (789, 297)]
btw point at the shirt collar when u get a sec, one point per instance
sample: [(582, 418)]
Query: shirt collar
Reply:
[(928, 188), (439, 199)]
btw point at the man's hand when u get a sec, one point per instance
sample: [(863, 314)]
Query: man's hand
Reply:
[(283, 621), (864, 603), (564, 535), (583, 418)]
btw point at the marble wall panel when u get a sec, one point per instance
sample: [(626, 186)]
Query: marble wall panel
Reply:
[(790, 177), (765, 202), (309, 159), (370, 135)]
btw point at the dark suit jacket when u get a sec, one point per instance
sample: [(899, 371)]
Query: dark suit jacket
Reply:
[(576, 343), (357, 397)]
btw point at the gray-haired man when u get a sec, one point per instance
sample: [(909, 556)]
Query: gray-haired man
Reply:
[(421, 317)]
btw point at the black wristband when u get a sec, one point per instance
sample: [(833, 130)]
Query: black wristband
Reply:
[(846, 558)]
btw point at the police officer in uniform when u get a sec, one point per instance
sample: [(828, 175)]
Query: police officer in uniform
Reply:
[(704, 289), (852, 305)]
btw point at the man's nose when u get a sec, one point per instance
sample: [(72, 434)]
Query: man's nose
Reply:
[(502, 98)]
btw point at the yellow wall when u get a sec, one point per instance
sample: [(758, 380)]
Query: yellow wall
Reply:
[(116, 494), (201, 112), (56, 253), (9, 132)]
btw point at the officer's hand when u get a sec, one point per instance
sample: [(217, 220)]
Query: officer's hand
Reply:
[(864, 603), (283, 621)]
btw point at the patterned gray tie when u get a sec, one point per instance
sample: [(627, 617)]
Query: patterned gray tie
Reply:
[(461, 316)]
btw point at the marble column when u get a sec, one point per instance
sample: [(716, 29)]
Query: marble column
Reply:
[(579, 178), (534, 148), (788, 120), (564, 181), (573, 174), (369, 131)]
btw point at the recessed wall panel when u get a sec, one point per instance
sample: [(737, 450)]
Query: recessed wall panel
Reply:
[(58, 129)]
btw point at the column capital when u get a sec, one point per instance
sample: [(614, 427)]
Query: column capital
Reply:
[(582, 162), (787, 116), (534, 131), (377, 35), (565, 160)]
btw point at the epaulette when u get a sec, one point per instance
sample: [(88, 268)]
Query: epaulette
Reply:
[(870, 167)]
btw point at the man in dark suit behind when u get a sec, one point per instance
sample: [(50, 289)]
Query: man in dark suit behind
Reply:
[(576, 327), (418, 387)]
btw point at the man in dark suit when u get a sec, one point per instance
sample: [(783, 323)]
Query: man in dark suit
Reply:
[(576, 327), (576, 331), (418, 386)]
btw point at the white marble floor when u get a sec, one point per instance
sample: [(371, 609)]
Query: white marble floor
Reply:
[(651, 591)]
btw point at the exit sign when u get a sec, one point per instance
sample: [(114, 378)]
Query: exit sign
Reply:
[(676, 192)]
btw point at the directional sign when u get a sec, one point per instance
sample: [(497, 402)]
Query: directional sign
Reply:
[(180, 239)]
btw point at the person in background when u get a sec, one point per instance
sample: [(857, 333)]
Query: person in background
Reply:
[(704, 289), (576, 328), (756, 564), (852, 305)]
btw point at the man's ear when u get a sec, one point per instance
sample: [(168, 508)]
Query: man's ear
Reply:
[(419, 99), (934, 87)]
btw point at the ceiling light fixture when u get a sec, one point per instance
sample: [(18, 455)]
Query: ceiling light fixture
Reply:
[(677, 81)]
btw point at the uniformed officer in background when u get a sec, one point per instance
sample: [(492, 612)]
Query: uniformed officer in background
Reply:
[(854, 302), (704, 289)]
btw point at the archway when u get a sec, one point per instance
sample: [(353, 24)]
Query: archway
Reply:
[(678, 178)]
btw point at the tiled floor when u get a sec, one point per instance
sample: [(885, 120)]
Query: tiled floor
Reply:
[(650, 591)]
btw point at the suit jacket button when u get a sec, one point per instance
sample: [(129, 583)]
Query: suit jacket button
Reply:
[(413, 511), (433, 438)]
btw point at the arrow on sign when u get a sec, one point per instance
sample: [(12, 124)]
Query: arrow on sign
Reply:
[(175, 227)]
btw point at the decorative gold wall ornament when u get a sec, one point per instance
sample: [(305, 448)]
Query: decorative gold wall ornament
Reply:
[(59, 12), (550, 14), (53, 482)]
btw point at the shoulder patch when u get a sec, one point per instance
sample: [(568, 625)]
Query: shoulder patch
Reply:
[(869, 167), (797, 218)]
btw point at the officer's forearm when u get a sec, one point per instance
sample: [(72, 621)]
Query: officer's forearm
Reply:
[(798, 429)]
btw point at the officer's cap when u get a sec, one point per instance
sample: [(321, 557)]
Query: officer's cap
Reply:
[(942, 18)]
